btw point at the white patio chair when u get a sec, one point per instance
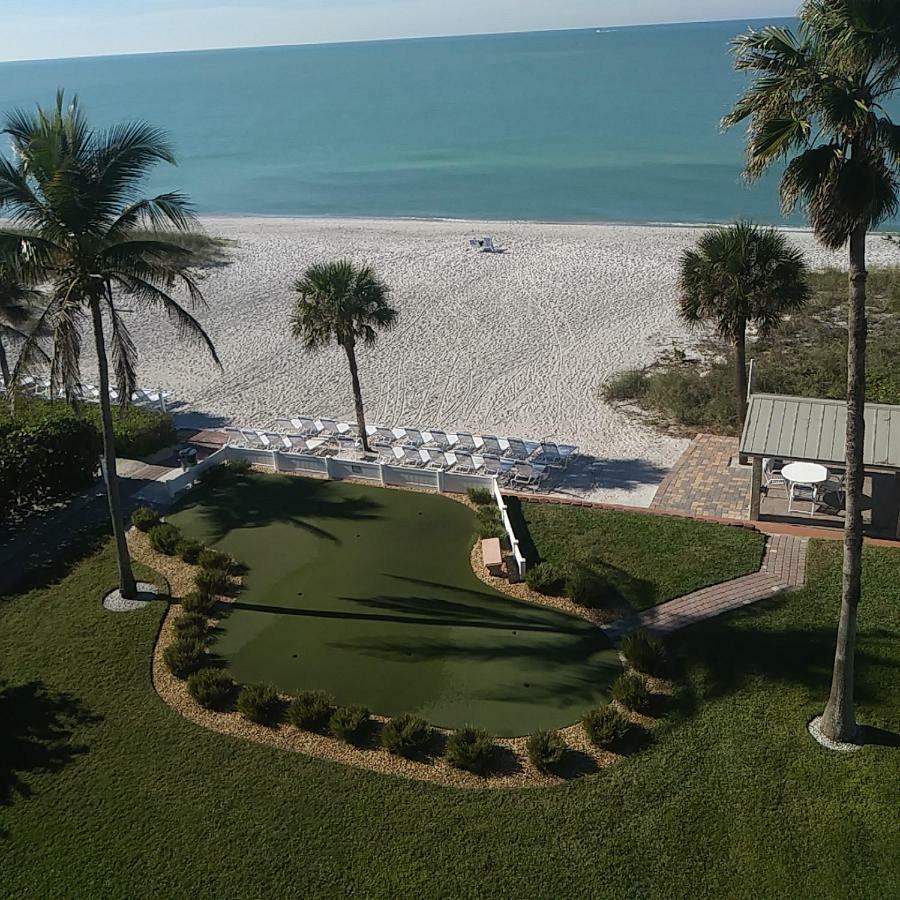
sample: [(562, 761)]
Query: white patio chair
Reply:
[(475, 244), (439, 438), (386, 454), (487, 245), (772, 473), (465, 440), (413, 437), (432, 458), (836, 483), (305, 425), (491, 445), (330, 426), (517, 448), (411, 457), (379, 434), (462, 461), (527, 475), (803, 493)]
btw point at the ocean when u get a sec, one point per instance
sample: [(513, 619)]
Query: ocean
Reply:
[(614, 125)]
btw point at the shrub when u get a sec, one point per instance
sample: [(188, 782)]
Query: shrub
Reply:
[(311, 710), (546, 579), (480, 495), (645, 652), (164, 538), (545, 749), (489, 523), (259, 703), (347, 722), (138, 431), (628, 385), (471, 749), (213, 475), (217, 561), (184, 656), (406, 735), (198, 602), (605, 726), (631, 691), (189, 550), (144, 518), (211, 688), (211, 582), (191, 626), (586, 587), (238, 466)]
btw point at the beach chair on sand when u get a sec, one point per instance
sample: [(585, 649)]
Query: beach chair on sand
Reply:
[(435, 437), (330, 426), (475, 244), (378, 434), (411, 457), (305, 425), (527, 476), (433, 458), (465, 440), (487, 245), (518, 449), (491, 445), (409, 437), (460, 461)]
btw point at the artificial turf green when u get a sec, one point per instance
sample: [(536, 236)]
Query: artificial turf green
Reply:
[(107, 792), (645, 559), (369, 594)]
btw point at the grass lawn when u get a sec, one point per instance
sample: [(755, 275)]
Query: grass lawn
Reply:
[(369, 594), (106, 792), (646, 559)]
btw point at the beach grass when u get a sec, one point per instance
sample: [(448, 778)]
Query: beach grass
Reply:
[(106, 791)]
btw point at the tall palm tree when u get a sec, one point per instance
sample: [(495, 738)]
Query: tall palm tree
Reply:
[(818, 101), (18, 305), (73, 197), (347, 304), (741, 275)]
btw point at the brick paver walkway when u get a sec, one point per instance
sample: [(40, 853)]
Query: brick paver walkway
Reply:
[(704, 482), (783, 568)]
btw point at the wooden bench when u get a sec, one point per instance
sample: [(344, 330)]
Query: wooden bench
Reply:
[(493, 556)]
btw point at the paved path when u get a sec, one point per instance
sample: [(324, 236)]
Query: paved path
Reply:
[(783, 568)]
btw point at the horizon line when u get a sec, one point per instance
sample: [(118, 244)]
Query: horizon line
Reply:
[(423, 37)]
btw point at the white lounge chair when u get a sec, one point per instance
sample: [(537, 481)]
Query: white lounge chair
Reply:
[(517, 448), (410, 437), (439, 438), (526, 475), (330, 426), (379, 434), (491, 445), (772, 473), (461, 461), (487, 245), (305, 425), (431, 458), (465, 440)]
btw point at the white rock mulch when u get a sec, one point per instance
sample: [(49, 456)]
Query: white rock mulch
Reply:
[(115, 602), (815, 729)]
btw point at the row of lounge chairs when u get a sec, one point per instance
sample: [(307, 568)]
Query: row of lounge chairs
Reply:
[(34, 386)]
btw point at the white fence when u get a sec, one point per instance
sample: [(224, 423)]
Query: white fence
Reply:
[(507, 524)]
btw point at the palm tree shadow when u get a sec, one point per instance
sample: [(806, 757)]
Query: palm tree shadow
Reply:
[(37, 734)]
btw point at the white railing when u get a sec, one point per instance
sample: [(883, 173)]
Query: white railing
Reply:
[(510, 533), (181, 481)]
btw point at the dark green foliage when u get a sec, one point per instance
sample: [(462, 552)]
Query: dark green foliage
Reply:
[(545, 749), (406, 735), (138, 432), (184, 656), (481, 496), (645, 652), (213, 475), (587, 587), (630, 690), (44, 460), (198, 602), (490, 524), (347, 722), (144, 518), (238, 466), (605, 726), (211, 688), (189, 550), (546, 579), (191, 626), (212, 582), (629, 384), (259, 703), (471, 749), (311, 710), (164, 538), (214, 560)]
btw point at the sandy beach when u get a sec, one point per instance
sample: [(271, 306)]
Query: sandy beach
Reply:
[(516, 343)]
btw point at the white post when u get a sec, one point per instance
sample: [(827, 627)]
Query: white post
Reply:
[(381, 472), (440, 481), (276, 461), (328, 467), (162, 400)]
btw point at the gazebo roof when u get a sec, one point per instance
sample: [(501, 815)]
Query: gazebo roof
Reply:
[(811, 429)]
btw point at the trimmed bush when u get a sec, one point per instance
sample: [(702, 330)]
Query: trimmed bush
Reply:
[(184, 657), (347, 722), (164, 538), (471, 749), (198, 602), (545, 749), (630, 690), (189, 550), (645, 652), (406, 735), (191, 626), (546, 579), (259, 703), (215, 560), (238, 466), (311, 710), (586, 587), (605, 726), (481, 496), (212, 582), (211, 688), (144, 518)]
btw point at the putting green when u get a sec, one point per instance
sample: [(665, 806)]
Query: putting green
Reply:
[(369, 594)]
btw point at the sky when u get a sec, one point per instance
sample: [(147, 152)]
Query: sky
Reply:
[(46, 29)]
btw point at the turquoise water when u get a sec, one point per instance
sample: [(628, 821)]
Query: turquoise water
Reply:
[(615, 125)]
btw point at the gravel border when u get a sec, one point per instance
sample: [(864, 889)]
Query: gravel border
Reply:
[(815, 729), (115, 602)]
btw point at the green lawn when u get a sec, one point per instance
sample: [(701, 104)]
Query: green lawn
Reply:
[(369, 594), (109, 793), (647, 559)]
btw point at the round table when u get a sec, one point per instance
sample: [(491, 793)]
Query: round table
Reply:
[(805, 473)]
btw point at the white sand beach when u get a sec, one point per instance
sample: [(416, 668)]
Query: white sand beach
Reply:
[(515, 343)]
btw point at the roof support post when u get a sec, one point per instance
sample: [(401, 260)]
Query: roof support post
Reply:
[(755, 488)]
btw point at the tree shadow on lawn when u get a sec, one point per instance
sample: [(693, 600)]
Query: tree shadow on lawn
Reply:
[(255, 501), (36, 733)]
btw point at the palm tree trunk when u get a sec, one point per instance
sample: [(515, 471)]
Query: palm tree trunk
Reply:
[(839, 719), (127, 584), (740, 370), (357, 395), (7, 377)]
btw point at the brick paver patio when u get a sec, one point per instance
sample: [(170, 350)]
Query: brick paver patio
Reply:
[(783, 568), (705, 483)]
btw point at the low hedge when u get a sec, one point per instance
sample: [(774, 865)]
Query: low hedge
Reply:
[(212, 582), (605, 726), (311, 710), (546, 578), (214, 559), (480, 495), (165, 538), (545, 749), (471, 749), (198, 602), (260, 703), (212, 688), (646, 653), (144, 518), (630, 690), (406, 735), (347, 722), (191, 625), (189, 550), (184, 657)]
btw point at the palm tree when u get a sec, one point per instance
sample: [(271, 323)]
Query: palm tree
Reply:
[(345, 303), (73, 197), (741, 275), (818, 101), (18, 304)]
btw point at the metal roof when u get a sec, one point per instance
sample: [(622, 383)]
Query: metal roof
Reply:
[(810, 429)]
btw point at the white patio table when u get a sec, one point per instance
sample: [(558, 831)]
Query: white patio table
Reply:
[(806, 473)]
